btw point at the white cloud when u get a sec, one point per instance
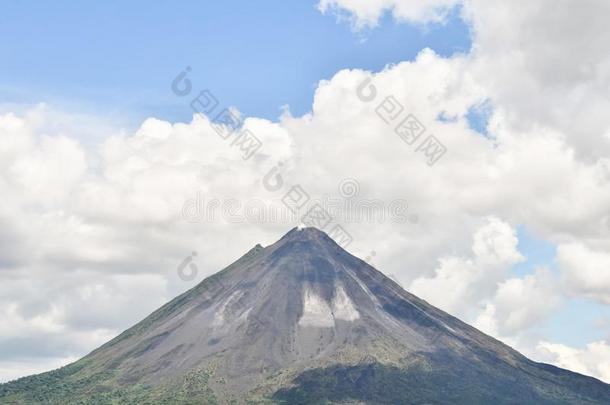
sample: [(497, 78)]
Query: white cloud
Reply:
[(461, 283), (366, 13), (594, 359), (586, 271), (520, 304), (559, 51)]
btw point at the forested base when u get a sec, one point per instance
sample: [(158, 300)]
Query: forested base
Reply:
[(432, 383), (62, 386), (421, 383)]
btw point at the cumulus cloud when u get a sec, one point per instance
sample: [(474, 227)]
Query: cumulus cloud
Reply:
[(521, 303), (460, 284), (559, 51), (594, 359), (367, 13), (480, 288), (586, 271)]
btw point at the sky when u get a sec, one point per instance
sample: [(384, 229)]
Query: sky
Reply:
[(119, 58), (101, 159)]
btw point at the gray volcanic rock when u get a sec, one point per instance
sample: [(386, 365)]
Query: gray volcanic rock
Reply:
[(301, 322)]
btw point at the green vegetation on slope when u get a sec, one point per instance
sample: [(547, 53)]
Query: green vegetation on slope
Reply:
[(62, 387)]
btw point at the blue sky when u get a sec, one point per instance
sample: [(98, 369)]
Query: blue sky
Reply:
[(578, 321), (118, 58)]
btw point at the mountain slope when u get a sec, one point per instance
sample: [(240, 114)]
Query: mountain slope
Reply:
[(304, 322)]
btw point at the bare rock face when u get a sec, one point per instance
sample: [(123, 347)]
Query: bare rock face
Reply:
[(301, 322)]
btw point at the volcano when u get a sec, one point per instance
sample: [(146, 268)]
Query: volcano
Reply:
[(302, 321)]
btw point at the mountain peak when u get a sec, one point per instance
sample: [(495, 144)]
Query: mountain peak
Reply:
[(306, 243), (302, 233), (303, 321)]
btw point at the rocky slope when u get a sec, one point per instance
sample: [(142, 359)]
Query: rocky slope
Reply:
[(304, 322)]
